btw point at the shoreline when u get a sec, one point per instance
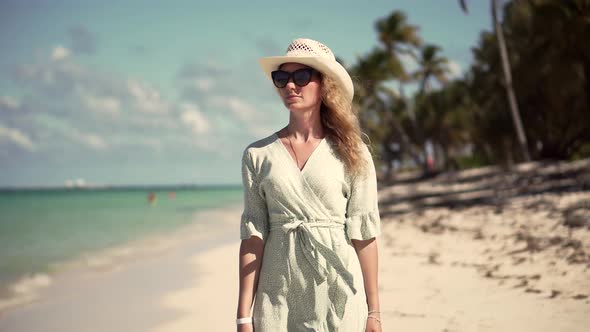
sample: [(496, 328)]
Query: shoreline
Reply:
[(30, 288)]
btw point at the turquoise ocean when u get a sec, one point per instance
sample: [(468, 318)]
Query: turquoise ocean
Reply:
[(41, 228)]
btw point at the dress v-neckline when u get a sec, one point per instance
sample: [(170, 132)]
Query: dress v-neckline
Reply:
[(293, 162)]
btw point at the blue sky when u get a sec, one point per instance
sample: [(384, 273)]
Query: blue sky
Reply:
[(170, 92)]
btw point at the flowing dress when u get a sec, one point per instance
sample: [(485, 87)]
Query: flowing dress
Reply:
[(310, 277)]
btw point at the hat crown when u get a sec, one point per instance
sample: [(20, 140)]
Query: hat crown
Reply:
[(316, 55), (309, 47)]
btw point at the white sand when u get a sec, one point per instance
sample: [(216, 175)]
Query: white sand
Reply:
[(210, 303), (434, 282), (420, 290)]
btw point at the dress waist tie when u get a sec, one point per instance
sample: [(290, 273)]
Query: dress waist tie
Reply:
[(312, 248)]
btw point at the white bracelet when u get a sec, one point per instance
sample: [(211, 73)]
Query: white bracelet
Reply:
[(244, 320)]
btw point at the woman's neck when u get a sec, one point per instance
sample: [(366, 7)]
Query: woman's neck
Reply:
[(305, 126)]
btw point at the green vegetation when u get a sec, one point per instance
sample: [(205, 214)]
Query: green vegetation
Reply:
[(468, 121)]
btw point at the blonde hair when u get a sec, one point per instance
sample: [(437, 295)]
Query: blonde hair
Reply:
[(340, 121)]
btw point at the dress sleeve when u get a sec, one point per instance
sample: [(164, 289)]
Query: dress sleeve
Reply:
[(362, 211), (254, 219)]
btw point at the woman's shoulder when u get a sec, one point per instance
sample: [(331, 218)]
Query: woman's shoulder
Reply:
[(366, 151), (259, 147)]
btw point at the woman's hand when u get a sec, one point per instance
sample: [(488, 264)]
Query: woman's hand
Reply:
[(373, 325), (248, 327)]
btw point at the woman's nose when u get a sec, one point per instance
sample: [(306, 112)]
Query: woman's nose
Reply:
[(290, 84)]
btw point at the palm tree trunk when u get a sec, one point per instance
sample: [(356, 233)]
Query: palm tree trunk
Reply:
[(508, 80), (587, 77)]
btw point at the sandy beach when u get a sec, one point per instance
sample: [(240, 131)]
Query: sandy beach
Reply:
[(483, 250)]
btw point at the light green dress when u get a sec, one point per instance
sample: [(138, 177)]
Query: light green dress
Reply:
[(310, 278)]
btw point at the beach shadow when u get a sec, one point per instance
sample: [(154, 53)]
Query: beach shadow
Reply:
[(488, 186)]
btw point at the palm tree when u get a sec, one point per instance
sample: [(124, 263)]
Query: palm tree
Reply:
[(398, 38), (431, 66), (551, 68), (378, 102), (522, 141)]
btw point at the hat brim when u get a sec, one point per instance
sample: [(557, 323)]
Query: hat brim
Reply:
[(324, 66)]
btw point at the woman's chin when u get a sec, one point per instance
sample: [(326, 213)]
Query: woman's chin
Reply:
[(293, 106), (297, 107)]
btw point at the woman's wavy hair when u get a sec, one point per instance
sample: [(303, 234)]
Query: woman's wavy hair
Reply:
[(339, 118)]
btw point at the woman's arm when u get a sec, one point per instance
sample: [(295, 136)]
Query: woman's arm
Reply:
[(251, 252), (367, 253)]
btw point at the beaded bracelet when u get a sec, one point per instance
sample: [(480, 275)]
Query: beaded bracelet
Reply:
[(375, 318), (374, 311)]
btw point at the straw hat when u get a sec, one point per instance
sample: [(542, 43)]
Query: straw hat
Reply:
[(316, 55)]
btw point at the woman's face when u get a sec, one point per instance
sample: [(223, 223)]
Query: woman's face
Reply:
[(301, 97)]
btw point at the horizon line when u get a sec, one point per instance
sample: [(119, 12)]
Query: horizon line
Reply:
[(119, 186)]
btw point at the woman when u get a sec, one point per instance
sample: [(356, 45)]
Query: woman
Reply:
[(310, 207)]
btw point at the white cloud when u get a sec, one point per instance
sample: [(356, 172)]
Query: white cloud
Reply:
[(59, 52), (58, 77), (204, 84), (81, 109), (193, 118), (16, 136), (68, 131), (71, 70), (240, 108), (240, 114), (9, 103), (107, 105), (147, 99), (92, 140), (455, 69), (151, 122)]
